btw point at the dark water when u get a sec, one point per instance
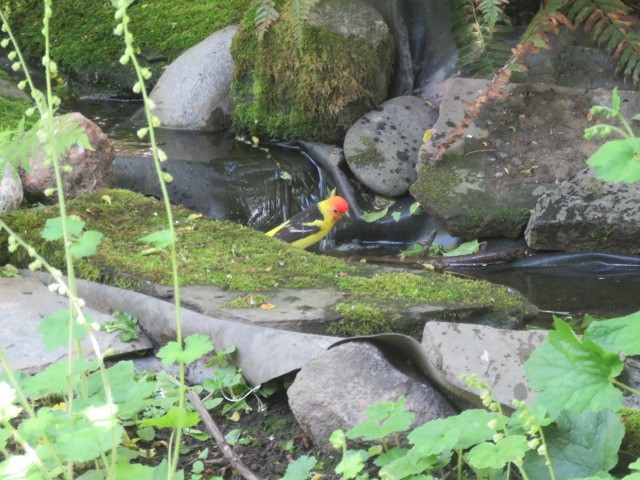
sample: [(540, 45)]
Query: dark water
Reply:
[(223, 178)]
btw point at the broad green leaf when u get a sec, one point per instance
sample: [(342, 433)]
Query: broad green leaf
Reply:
[(384, 419), (53, 228), (146, 433), (390, 456), (615, 161), (414, 250), (573, 374), (617, 335), (133, 470), (373, 216), (55, 330), (175, 417), (467, 248), (636, 117), (396, 216), (407, 466), (86, 245), (434, 437), (53, 380), (473, 428), (414, 208), (352, 463), (579, 445), (159, 239), (300, 469), (195, 347), (81, 440), (497, 455)]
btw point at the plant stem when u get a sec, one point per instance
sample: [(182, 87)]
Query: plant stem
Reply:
[(619, 384)]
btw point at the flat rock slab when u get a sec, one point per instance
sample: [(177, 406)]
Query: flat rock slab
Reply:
[(585, 214), (486, 183), (23, 304)]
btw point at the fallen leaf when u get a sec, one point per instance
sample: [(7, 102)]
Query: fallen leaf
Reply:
[(267, 306)]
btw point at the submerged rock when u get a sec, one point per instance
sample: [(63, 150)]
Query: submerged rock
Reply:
[(332, 391), (381, 148), (194, 92)]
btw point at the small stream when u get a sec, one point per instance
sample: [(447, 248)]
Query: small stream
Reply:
[(227, 179)]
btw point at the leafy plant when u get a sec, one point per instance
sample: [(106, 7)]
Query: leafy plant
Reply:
[(616, 160)]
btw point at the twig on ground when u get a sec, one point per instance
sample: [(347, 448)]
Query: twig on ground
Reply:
[(211, 427)]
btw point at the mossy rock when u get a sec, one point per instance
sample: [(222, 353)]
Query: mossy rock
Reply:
[(85, 48), (310, 88), (233, 257), (13, 104)]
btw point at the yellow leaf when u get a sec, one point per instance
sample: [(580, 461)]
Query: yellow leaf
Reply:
[(107, 199), (235, 416), (428, 266), (267, 306), (59, 406), (194, 216), (427, 136), (255, 140)]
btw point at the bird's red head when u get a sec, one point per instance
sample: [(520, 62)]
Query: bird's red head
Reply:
[(338, 206)]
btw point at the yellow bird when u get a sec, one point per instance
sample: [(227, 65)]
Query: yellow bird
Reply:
[(311, 225)]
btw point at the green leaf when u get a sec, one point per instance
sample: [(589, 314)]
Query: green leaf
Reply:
[(195, 347), (615, 100), (174, 418), (86, 245), (414, 250), (352, 463), (80, 440), (617, 334), (616, 161), (390, 455), (466, 248), (300, 469), (338, 439), (434, 437), (159, 239), (53, 228), (55, 329), (373, 216), (396, 216), (414, 208), (385, 418), (573, 374), (580, 445), (407, 466), (472, 426), (497, 455), (146, 433), (133, 470)]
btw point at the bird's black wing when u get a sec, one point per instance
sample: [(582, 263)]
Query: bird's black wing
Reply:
[(301, 225)]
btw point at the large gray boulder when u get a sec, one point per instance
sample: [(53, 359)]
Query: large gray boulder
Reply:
[(381, 148), (333, 390), (11, 193), (586, 214), (194, 92), (486, 183)]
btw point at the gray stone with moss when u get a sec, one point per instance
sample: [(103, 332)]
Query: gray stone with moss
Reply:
[(519, 147), (381, 148), (239, 261), (315, 86)]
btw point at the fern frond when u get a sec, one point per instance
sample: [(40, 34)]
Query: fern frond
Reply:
[(266, 15), (299, 15), (481, 30), (613, 28)]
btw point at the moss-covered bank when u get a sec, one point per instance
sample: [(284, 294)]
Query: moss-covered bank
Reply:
[(83, 43), (234, 257), (312, 89)]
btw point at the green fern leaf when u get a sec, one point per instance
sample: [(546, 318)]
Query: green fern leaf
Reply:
[(266, 16)]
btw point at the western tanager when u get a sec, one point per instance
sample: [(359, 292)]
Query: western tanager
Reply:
[(311, 225)]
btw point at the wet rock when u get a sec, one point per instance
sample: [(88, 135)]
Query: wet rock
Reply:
[(486, 184), (11, 193), (194, 92), (381, 148), (9, 90), (333, 389), (90, 169), (496, 356), (586, 214)]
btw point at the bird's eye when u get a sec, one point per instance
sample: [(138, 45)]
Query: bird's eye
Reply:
[(335, 211)]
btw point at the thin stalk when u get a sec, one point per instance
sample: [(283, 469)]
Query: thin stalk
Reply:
[(547, 458), (152, 121), (619, 384)]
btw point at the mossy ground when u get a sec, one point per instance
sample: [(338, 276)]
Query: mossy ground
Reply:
[(314, 88), (82, 38), (237, 258), (12, 111)]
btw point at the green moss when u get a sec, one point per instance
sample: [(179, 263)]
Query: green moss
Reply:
[(361, 319), (369, 156), (11, 111), (314, 89), (210, 252), (247, 301), (82, 38), (631, 440)]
